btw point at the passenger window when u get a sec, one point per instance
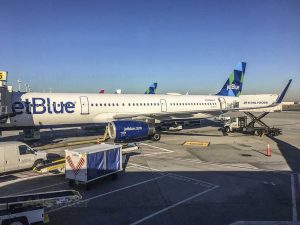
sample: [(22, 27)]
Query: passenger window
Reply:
[(133, 104), (108, 104), (144, 104), (100, 104), (104, 104), (91, 104), (128, 104), (151, 104), (157, 104), (154, 104), (147, 104), (117, 104), (113, 104), (24, 149), (123, 104)]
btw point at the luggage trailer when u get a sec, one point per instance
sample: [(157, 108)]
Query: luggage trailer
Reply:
[(30, 208), (88, 164)]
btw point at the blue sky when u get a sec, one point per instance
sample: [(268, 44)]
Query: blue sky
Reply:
[(84, 46)]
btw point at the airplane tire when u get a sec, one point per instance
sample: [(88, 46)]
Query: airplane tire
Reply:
[(227, 129), (156, 137)]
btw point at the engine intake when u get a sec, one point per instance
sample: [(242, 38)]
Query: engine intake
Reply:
[(125, 130)]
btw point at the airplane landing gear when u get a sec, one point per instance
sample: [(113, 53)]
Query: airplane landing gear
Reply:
[(156, 137)]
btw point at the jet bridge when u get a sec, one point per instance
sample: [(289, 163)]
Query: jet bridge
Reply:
[(5, 96)]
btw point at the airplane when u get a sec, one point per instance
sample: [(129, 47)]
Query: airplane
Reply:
[(150, 90), (128, 115)]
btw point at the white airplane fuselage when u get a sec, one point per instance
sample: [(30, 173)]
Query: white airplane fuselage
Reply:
[(59, 109)]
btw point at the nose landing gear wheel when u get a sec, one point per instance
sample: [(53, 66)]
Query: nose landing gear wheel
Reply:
[(156, 137)]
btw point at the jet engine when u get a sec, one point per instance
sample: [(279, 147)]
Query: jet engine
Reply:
[(126, 130)]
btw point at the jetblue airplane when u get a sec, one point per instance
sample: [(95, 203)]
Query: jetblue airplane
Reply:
[(50, 110)]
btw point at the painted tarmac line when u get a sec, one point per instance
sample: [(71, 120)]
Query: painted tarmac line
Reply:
[(153, 146), (108, 193), (173, 174), (173, 206)]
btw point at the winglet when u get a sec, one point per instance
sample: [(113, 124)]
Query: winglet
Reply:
[(281, 96)]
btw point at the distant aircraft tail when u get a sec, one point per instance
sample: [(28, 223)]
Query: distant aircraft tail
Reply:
[(152, 89), (234, 84)]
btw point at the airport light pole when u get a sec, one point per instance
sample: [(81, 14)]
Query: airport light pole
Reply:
[(19, 82)]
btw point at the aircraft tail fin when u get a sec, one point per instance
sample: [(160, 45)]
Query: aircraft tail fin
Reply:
[(151, 89), (281, 96), (234, 84)]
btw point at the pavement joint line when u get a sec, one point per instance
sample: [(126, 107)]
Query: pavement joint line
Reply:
[(40, 188), (174, 174), (173, 206), (108, 193), (2, 184), (294, 203)]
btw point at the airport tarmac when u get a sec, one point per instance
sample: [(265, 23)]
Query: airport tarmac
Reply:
[(228, 182)]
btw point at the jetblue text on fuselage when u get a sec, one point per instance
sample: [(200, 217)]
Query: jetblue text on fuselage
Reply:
[(41, 106)]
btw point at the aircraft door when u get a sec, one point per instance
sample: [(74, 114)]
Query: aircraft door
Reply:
[(222, 103), (163, 105), (84, 102)]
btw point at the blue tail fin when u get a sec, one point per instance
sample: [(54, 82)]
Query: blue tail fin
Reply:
[(281, 96), (234, 84), (152, 89)]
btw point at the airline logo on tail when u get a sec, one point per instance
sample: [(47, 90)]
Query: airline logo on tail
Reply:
[(234, 84), (152, 89)]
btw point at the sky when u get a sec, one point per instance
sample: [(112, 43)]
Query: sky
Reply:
[(85, 46)]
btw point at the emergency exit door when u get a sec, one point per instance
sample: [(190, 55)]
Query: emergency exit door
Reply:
[(84, 102), (163, 105)]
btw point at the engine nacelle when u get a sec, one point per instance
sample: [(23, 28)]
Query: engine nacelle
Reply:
[(123, 130)]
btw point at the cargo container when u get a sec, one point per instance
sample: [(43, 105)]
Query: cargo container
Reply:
[(84, 165)]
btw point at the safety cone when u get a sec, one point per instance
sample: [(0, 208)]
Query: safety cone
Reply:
[(268, 151)]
